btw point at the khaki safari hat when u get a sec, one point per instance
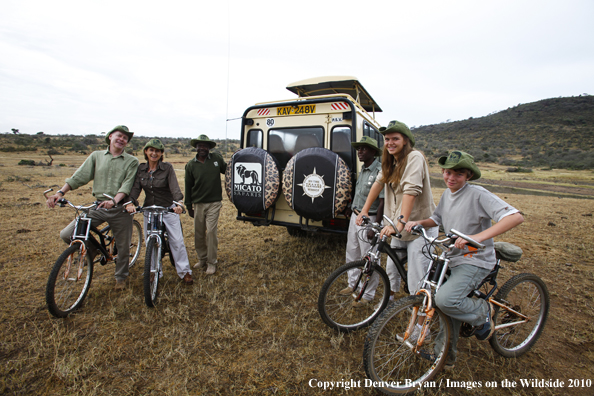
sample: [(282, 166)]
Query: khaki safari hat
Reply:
[(460, 160), (204, 139), (122, 128), (400, 127), (154, 143), (367, 141)]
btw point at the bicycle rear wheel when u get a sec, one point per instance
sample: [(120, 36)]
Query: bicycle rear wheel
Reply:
[(392, 361), (135, 243), (337, 309), (152, 268), (66, 288), (528, 295)]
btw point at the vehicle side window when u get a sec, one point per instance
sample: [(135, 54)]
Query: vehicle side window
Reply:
[(341, 144), (370, 131), (283, 143), (254, 138)]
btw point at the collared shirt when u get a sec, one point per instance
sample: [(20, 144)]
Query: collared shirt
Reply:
[(470, 210), (365, 180), (160, 187), (203, 180), (415, 181), (111, 175)]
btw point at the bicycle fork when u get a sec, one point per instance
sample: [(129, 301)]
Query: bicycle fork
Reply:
[(81, 263)]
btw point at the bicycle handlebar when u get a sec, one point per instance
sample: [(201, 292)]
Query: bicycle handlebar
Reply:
[(449, 238)]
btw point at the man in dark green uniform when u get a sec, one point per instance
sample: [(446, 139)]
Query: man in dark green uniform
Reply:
[(203, 199)]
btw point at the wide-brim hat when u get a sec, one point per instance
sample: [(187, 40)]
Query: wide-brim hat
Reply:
[(122, 128), (202, 139), (460, 160), (154, 143), (367, 142), (400, 127)]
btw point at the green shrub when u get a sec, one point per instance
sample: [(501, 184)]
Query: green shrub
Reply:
[(26, 162)]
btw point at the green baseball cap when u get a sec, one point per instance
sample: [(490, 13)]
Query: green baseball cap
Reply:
[(154, 143), (368, 142), (400, 127), (203, 139), (460, 160), (122, 128)]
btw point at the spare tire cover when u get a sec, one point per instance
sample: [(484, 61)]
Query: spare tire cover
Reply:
[(317, 183), (252, 180)]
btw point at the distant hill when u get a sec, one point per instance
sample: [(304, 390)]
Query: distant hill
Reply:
[(550, 133)]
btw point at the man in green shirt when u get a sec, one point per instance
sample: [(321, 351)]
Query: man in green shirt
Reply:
[(113, 172), (203, 199)]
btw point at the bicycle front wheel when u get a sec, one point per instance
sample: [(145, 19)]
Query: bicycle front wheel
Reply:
[(336, 308), (152, 268), (69, 282), (528, 295), (397, 365)]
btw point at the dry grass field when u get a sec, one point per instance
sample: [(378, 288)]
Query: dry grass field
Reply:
[(253, 327)]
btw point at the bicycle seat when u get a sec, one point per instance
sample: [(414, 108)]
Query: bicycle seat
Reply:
[(508, 251)]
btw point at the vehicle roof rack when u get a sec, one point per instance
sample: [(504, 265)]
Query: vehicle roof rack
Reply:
[(335, 85)]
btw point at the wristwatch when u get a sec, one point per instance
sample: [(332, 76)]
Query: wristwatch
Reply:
[(60, 192)]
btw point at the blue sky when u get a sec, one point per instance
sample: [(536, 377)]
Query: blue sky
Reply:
[(182, 68)]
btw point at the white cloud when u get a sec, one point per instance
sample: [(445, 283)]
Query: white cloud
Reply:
[(164, 69)]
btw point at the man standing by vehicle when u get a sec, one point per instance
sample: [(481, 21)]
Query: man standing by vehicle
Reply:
[(203, 198), (367, 151), (113, 172)]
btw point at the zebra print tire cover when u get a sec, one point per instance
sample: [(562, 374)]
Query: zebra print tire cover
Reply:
[(252, 180), (317, 184)]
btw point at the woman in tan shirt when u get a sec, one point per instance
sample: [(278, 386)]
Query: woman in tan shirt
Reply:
[(405, 177)]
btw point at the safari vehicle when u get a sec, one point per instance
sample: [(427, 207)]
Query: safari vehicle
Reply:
[(305, 144)]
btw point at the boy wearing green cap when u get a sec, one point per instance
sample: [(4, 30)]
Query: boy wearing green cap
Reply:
[(468, 208)]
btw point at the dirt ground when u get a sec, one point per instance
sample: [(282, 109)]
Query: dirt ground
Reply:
[(253, 327)]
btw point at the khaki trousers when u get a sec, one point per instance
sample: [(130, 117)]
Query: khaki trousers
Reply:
[(206, 224), (121, 225)]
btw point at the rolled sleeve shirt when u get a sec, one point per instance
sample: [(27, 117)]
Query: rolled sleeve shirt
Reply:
[(111, 175), (415, 181), (365, 180), (160, 187)]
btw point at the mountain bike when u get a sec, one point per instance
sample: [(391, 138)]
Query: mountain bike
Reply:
[(403, 359), (70, 278), (157, 245), (343, 311)]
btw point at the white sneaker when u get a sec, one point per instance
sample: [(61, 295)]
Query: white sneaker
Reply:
[(211, 269), (199, 265)]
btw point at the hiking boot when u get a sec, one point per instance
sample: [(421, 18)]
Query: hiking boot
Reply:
[(485, 331), (362, 303), (346, 291), (188, 279), (212, 268), (120, 285)]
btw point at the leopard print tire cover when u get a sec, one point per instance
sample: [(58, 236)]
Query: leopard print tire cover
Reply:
[(317, 184), (252, 180)]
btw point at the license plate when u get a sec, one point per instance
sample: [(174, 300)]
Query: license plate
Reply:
[(292, 110)]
